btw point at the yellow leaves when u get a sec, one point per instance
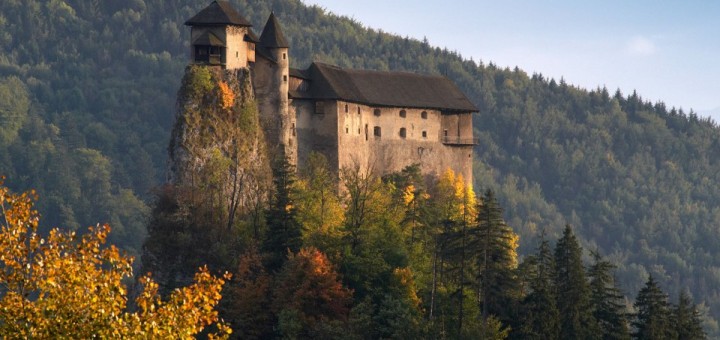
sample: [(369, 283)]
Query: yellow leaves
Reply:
[(457, 198), (62, 286), (227, 96), (409, 194)]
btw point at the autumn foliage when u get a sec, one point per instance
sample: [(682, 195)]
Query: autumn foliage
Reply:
[(70, 286)]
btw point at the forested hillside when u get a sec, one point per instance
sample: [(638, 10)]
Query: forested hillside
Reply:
[(88, 90)]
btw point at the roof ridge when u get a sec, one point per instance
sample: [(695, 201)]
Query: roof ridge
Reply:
[(218, 12)]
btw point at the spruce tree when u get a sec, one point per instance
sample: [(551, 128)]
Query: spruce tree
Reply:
[(653, 317), (573, 291), (540, 316), (687, 319), (607, 300), (284, 232), (496, 245)]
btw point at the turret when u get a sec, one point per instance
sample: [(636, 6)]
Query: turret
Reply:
[(220, 36), (272, 74)]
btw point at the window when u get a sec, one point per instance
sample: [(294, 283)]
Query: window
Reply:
[(293, 129), (347, 130), (423, 115), (358, 109), (285, 77), (237, 54), (376, 131), (284, 56), (403, 113), (346, 108), (319, 107), (424, 134), (366, 132), (377, 112), (403, 133), (358, 131)]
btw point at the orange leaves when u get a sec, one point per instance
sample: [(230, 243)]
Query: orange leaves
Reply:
[(227, 96), (65, 286), (309, 285)]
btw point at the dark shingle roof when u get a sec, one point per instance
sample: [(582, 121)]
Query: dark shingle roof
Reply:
[(251, 37), (272, 36), (218, 13), (208, 39), (397, 89)]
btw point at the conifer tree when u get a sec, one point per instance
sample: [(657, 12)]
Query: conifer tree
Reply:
[(540, 316), (687, 319), (496, 245), (607, 300), (573, 291), (653, 317), (284, 233)]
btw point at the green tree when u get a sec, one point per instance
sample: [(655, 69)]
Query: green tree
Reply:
[(284, 232), (318, 206), (496, 245), (654, 317), (607, 300), (573, 291), (14, 106), (686, 319), (539, 313)]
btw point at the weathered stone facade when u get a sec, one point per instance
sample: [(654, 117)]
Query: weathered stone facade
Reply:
[(377, 121)]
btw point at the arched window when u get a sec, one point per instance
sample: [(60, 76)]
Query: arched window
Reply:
[(403, 113), (423, 115), (377, 112), (403, 133)]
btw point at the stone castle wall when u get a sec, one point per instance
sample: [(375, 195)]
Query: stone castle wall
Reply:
[(382, 139)]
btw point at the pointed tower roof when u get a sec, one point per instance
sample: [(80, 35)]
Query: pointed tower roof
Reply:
[(218, 13), (272, 35)]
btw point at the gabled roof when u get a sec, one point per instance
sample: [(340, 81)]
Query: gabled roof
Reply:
[(218, 13), (396, 89), (208, 39), (272, 36)]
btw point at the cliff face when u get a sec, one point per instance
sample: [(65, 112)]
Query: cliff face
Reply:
[(217, 150)]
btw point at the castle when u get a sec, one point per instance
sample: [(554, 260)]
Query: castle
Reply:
[(379, 120)]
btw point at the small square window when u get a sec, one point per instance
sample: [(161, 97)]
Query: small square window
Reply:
[(377, 112), (403, 133), (423, 115), (424, 134), (403, 113), (376, 131)]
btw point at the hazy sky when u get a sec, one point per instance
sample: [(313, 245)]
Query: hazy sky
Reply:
[(667, 51)]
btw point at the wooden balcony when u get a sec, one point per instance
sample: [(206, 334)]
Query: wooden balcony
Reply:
[(460, 141)]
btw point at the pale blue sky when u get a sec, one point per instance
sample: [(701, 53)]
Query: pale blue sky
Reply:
[(667, 51)]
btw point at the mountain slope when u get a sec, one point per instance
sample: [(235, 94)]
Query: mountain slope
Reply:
[(639, 181)]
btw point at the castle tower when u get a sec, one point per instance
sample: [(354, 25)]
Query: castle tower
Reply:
[(220, 36), (271, 79)]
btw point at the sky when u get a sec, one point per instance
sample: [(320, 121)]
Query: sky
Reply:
[(665, 50)]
